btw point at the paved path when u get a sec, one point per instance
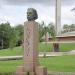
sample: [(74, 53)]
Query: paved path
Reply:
[(4, 58), (72, 52), (41, 54), (61, 73), (60, 42)]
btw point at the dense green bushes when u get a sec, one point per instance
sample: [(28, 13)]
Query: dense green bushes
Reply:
[(10, 36)]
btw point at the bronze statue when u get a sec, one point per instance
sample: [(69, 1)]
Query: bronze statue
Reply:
[(31, 14)]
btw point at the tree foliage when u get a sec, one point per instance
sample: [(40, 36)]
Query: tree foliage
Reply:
[(13, 36), (51, 31), (10, 36), (68, 28), (41, 31), (4, 35)]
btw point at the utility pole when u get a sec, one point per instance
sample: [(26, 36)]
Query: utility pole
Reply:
[(58, 17), (57, 23)]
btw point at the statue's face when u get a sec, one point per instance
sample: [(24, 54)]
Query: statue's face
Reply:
[(31, 14)]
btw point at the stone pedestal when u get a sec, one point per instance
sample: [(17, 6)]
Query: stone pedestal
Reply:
[(30, 45), (41, 70), (20, 70), (30, 56)]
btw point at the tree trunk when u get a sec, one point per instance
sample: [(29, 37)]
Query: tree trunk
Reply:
[(56, 47)]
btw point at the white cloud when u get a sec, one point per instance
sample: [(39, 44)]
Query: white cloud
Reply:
[(17, 14), (44, 2), (67, 16)]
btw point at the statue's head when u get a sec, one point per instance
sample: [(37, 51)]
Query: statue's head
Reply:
[(31, 14)]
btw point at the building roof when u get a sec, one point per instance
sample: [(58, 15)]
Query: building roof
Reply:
[(67, 34)]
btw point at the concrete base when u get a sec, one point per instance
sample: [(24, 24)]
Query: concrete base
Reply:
[(20, 70), (40, 70)]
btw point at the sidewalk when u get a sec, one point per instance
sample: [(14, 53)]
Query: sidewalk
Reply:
[(41, 54), (60, 42)]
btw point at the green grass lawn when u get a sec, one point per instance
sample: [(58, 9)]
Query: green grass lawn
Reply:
[(59, 63), (42, 47), (9, 66)]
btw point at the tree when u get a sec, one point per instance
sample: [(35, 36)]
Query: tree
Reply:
[(4, 35), (16, 36), (72, 27), (10, 36), (45, 33), (13, 38), (52, 30), (66, 28), (53, 35), (19, 31), (41, 31)]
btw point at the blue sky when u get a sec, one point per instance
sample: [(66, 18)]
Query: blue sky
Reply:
[(14, 11)]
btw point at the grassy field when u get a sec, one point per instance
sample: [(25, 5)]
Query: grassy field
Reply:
[(64, 47), (59, 63)]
